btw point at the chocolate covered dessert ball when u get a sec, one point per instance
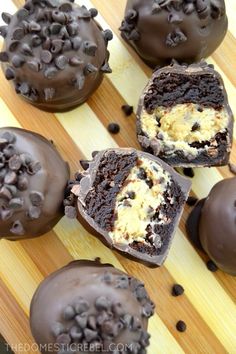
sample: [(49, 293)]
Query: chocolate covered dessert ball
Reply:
[(213, 222), (33, 178), (89, 307), (184, 116), (186, 30), (131, 200), (54, 53)]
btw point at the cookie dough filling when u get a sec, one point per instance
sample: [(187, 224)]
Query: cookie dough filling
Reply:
[(138, 201), (180, 126)]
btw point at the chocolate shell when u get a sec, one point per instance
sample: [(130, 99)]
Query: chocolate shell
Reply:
[(185, 30), (89, 307), (131, 200), (33, 177), (54, 53), (184, 117), (213, 222)]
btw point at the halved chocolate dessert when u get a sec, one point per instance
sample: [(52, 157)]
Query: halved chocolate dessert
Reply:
[(184, 116), (131, 200)]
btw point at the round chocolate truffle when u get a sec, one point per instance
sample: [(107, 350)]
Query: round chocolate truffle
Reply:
[(89, 307), (55, 53), (217, 225), (186, 30), (213, 221), (33, 178)]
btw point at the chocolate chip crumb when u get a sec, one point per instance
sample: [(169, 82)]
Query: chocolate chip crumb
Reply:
[(177, 290), (188, 172), (113, 128), (127, 109), (195, 126), (191, 201), (181, 326), (211, 266), (70, 212)]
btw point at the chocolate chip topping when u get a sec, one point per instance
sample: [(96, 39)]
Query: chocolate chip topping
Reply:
[(46, 37)]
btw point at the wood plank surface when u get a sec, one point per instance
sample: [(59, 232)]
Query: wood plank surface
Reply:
[(208, 305)]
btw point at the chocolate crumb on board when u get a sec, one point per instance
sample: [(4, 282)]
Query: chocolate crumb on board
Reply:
[(177, 290), (127, 109), (191, 201), (211, 266), (188, 172), (181, 326), (113, 128)]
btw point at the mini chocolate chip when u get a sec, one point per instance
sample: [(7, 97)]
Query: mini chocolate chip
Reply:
[(67, 45), (113, 128), (149, 182), (142, 174), (17, 228), (9, 151), (76, 333), (22, 14), (34, 26), (71, 212), (57, 329), (34, 212), (24, 88), (61, 62), (52, 3), (108, 277), (16, 203), (10, 74), (46, 44), (136, 324), (188, 172), (108, 35), (6, 17), (141, 293), (12, 188), (195, 127), (3, 31), (55, 28), (93, 12), (211, 266), (46, 56), (25, 159), (3, 142), (6, 214), (13, 46), (10, 177), (4, 57), (92, 322), (50, 73), (5, 193), (10, 137), (36, 40), (122, 282), (107, 327), (90, 69), (56, 46), (63, 338), (90, 48), (191, 201), (76, 43), (18, 33), (34, 65), (131, 195), (127, 109), (73, 29), (66, 7), (181, 326), (84, 164), (81, 306), (147, 310), (90, 335), (84, 13), (102, 303), (106, 68), (177, 290), (36, 198), (69, 313), (127, 319), (15, 163), (82, 320), (75, 61)]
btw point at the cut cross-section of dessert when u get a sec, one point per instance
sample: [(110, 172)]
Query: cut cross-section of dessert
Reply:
[(131, 200), (184, 116)]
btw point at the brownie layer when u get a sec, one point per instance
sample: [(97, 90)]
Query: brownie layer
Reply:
[(111, 174), (169, 89)]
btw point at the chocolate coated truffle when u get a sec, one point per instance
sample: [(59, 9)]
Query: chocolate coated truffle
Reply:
[(132, 201), (186, 30), (55, 53), (214, 220), (33, 178), (89, 307), (184, 117)]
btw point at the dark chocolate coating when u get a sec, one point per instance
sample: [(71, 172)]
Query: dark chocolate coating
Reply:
[(33, 178), (160, 30), (89, 299), (220, 152), (84, 186), (217, 225), (55, 53)]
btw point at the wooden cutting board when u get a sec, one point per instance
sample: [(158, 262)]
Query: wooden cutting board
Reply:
[(208, 305)]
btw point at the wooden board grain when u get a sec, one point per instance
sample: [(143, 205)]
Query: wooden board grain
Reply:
[(208, 305)]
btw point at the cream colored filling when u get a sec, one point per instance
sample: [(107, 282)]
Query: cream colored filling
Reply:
[(183, 124), (134, 215)]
